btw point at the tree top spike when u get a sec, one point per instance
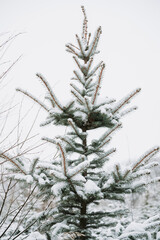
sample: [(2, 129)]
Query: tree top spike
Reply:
[(85, 27)]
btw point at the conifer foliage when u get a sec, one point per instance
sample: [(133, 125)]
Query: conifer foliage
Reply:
[(77, 178)]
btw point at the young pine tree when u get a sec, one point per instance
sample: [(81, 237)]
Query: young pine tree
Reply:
[(78, 178)]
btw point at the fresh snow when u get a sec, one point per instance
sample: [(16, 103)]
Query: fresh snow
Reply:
[(57, 188), (91, 187)]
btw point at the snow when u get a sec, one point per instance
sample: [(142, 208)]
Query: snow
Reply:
[(41, 181), (133, 226), (120, 104), (91, 187), (158, 236), (36, 236), (22, 177), (78, 168), (79, 178), (29, 179), (57, 188)]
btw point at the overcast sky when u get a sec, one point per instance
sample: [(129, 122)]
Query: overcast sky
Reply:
[(129, 45)]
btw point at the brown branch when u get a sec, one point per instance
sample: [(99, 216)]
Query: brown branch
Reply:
[(6, 118), (9, 39), (77, 90), (63, 139), (77, 62), (98, 85), (10, 108), (73, 188), (80, 101), (78, 78), (89, 65), (85, 27), (49, 90), (89, 36), (70, 122), (16, 125), (86, 101), (94, 43), (117, 169), (78, 172), (17, 144), (89, 82), (112, 130), (80, 45), (150, 153), (30, 149), (137, 164), (63, 157), (33, 98), (95, 69), (18, 212), (74, 46), (123, 103), (107, 141), (5, 196), (8, 69), (27, 136), (72, 50), (10, 160)]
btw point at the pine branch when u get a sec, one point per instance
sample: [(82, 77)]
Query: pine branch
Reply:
[(110, 131), (77, 97), (76, 89), (78, 64), (79, 78), (104, 143), (147, 156), (67, 107), (50, 100), (99, 31), (49, 90), (118, 172), (126, 100), (68, 142), (89, 36), (85, 27), (4, 156), (88, 82), (124, 113), (74, 128), (49, 140), (80, 46), (72, 145), (33, 98), (150, 153), (112, 150), (98, 85), (95, 69), (72, 50), (87, 104), (80, 170), (63, 158), (74, 46), (90, 63)]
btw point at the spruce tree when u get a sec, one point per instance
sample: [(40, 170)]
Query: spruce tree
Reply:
[(78, 178)]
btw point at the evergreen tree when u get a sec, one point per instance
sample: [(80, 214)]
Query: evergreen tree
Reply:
[(77, 178)]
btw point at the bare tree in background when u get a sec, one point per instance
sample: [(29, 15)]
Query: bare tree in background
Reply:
[(17, 200)]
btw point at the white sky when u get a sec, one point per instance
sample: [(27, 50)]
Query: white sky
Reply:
[(130, 47)]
